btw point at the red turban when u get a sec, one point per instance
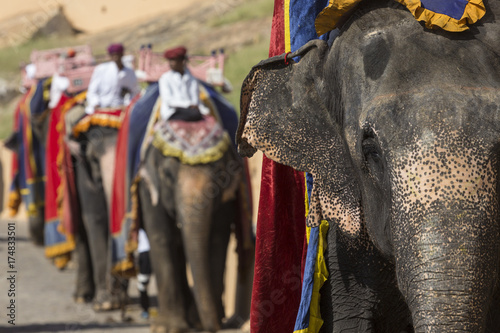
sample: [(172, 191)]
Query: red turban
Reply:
[(71, 53), (115, 48), (177, 52)]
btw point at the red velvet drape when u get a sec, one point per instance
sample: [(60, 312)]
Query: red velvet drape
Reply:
[(280, 232)]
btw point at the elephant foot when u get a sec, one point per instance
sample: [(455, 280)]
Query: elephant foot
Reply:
[(234, 321), (82, 299), (106, 302), (106, 306)]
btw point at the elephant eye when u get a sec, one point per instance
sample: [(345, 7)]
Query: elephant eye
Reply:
[(372, 155)]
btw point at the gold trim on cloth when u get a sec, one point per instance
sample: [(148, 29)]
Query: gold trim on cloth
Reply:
[(209, 155), (98, 119)]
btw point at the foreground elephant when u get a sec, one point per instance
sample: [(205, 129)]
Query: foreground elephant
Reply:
[(187, 211), (400, 128)]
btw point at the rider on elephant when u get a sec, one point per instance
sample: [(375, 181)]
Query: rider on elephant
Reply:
[(112, 83), (179, 90)]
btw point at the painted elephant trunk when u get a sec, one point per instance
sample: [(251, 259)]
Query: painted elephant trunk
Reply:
[(448, 275)]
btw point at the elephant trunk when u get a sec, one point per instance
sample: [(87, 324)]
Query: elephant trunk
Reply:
[(197, 193), (447, 267)]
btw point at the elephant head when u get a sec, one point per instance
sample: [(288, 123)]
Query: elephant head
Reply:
[(400, 128)]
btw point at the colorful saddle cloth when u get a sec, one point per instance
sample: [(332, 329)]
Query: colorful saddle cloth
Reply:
[(135, 136), (105, 117), (195, 142), (450, 15)]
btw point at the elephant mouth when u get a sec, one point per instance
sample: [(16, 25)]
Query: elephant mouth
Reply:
[(245, 149)]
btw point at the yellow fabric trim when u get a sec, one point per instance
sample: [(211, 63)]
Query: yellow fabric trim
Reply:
[(14, 202), (305, 330), (29, 134), (320, 273), (62, 261), (61, 248), (210, 155), (320, 276), (46, 89), (474, 10), (125, 268), (329, 17), (207, 101), (103, 120), (36, 180), (288, 46)]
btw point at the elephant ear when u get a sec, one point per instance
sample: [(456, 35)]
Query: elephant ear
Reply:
[(284, 114)]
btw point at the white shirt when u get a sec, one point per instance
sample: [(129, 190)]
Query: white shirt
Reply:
[(106, 85), (58, 85), (178, 91), (142, 242)]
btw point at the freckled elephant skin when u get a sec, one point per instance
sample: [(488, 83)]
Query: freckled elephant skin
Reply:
[(187, 213), (400, 128)]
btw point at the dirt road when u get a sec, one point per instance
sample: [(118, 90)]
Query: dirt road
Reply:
[(36, 297), (41, 294)]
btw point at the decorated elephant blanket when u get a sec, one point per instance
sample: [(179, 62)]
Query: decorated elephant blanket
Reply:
[(196, 142), (28, 169), (60, 194), (190, 142), (449, 15), (105, 117)]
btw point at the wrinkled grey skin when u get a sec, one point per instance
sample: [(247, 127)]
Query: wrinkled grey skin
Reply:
[(94, 166), (187, 213), (400, 128)]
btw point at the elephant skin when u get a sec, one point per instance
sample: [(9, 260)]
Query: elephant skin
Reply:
[(400, 128), (187, 212), (94, 166)]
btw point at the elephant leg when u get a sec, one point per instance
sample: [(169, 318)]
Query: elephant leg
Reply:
[(219, 239), (36, 226), (85, 287), (95, 221), (106, 160), (195, 198), (176, 310), (243, 295)]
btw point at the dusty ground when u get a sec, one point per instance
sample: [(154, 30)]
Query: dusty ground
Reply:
[(42, 297)]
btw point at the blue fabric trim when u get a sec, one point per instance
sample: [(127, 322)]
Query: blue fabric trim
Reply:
[(226, 111), (302, 320), (52, 235), (302, 16), (309, 185), (139, 120), (451, 8)]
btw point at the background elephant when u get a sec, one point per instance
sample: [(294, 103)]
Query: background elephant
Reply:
[(400, 128), (187, 211), (94, 167), (31, 116)]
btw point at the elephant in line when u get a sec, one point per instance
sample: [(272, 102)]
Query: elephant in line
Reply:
[(187, 212), (400, 128), (94, 156)]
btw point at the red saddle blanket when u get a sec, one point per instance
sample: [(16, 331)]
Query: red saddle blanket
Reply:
[(197, 142)]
